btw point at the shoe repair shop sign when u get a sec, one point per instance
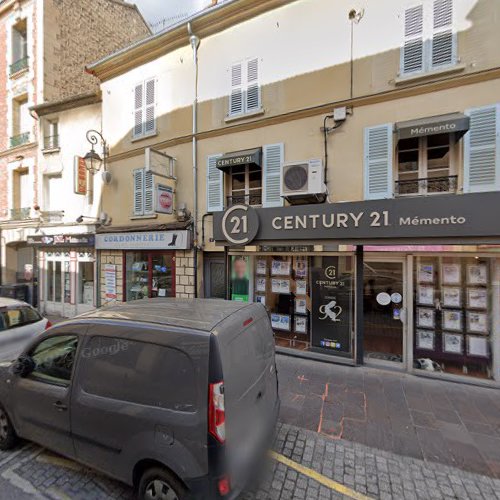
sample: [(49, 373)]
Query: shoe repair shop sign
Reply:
[(147, 240), (456, 218)]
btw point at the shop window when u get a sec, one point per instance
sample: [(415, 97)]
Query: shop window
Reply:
[(54, 281), (425, 165), (245, 185), (454, 315), (86, 283), (149, 274)]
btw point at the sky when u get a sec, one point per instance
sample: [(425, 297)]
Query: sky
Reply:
[(154, 10)]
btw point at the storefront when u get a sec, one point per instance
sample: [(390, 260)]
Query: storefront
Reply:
[(348, 287), (145, 264), (66, 268)]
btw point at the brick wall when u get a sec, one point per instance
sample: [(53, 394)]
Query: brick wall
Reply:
[(79, 33), (184, 274)]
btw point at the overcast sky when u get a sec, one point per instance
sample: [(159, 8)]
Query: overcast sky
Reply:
[(154, 10)]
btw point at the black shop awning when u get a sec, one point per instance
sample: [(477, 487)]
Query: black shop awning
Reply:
[(456, 123), (238, 158)]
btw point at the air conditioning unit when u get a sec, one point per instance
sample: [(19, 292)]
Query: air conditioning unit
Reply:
[(303, 179)]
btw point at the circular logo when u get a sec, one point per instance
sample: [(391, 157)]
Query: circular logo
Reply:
[(331, 272), (397, 298), (384, 299), (240, 224), (165, 200)]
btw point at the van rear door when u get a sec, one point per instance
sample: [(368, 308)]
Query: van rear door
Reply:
[(246, 347)]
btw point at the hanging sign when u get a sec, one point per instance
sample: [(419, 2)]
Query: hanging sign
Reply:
[(80, 176), (164, 199)]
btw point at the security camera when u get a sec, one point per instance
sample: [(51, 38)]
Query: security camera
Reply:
[(79, 219)]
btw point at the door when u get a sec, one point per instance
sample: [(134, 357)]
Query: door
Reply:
[(384, 313), (58, 287), (40, 401), (215, 276)]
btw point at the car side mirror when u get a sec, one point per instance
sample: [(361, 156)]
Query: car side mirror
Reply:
[(23, 366)]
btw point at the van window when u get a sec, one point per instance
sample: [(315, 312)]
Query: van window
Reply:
[(138, 372)]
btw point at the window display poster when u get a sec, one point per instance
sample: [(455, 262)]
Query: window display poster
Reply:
[(452, 296), (260, 285), (280, 286), (301, 267), (300, 324), (452, 320), (477, 274), (453, 343), (426, 273), (425, 339), (260, 299), (426, 295), (300, 306), (477, 322), (477, 298), (425, 317), (477, 346), (280, 268), (110, 281), (301, 287), (331, 306), (280, 322), (451, 274), (261, 267), (240, 278)]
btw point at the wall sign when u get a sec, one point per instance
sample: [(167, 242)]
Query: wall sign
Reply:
[(62, 240), (148, 240), (331, 307), (110, 281), (458, 218), (164, 199), (80, 176)]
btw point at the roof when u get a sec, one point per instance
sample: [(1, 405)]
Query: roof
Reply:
[(200, 314), (5, 302), (68, 103)]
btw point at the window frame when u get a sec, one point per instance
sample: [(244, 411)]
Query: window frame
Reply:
[(248, 191)]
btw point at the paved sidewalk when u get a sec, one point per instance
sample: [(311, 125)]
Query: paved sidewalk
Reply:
[(438, 421)]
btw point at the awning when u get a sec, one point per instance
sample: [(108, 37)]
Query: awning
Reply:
[(456, 123), (238, 158)]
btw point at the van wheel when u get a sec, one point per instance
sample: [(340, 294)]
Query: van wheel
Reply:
[(8, 436), (159, 484)]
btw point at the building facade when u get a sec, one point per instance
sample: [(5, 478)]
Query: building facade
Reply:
[(342, 178), (45, 45)]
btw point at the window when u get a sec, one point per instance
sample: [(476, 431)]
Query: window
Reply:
[(54, 358), (86, 283), (22, 194), (245, 185), (245, 94), (139, 373), (424, 165), (51, 138), (143, 192), (54, 189), (21, 122), (30, 315), (145, 108), (430, 41), (19, 47)]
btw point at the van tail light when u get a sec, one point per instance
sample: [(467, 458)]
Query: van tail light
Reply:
[(48, 325), (223, 486), (216, 412)]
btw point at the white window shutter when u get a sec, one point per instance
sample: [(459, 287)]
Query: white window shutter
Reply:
[(482, 150), (138, 191), (443, 36), (412, 52), (378, 162), (273, 158), (138, 110), (215, 185), (150, 107), (236, 101), (253, 87), (148, 193)]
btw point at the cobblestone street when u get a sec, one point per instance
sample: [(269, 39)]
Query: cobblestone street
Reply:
[(323, 466)]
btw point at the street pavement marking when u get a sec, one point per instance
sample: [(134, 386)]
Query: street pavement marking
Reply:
[(325, 481)]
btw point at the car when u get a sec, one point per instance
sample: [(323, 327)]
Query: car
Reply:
[(176, 397), (19, 322)]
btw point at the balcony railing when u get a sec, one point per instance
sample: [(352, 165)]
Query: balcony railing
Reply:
[(245, 199), (51, 142), (19, 65), (429, 185), (20, 213), (20, 139)]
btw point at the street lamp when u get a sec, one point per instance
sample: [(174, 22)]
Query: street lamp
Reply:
[(93, 162)]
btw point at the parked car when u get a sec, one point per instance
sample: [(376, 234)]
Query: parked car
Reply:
[(177, 397), (19, 322)]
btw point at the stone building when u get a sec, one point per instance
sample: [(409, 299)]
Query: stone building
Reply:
[(45, 46)]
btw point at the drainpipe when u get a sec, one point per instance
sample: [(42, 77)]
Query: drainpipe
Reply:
[(195, 43)]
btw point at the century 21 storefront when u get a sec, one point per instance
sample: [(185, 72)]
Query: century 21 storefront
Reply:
[(411, 282)]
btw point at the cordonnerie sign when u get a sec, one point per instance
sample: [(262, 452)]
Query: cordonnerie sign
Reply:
[(450, 218)]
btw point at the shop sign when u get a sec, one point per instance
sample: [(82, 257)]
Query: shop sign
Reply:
[(148, 240), (62, 240), (238, 158), (331, 307), (110, 282), (456, 218), (80, 176), (164, 199)]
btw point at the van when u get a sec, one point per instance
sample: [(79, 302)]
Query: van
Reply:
[(176, 397)]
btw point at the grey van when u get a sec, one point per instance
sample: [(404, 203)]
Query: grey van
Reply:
[(177, 397)]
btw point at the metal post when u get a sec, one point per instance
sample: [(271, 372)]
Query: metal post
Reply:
[(360, 316)]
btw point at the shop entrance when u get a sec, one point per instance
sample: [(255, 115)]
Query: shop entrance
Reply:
[(383, 303), (58, 284)]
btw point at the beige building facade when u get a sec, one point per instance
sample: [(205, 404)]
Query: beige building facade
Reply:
[(311, 106)]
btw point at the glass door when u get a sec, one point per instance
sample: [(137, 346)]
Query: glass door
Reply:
[(384, 315)]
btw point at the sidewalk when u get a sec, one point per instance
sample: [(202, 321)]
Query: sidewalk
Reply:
[(432, 420)]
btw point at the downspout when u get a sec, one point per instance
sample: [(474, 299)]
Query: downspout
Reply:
[(195, 43)]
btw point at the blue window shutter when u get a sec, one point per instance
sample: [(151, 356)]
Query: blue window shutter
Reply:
[(378, 176), (215, 185), (482, 150), (273, 158)]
